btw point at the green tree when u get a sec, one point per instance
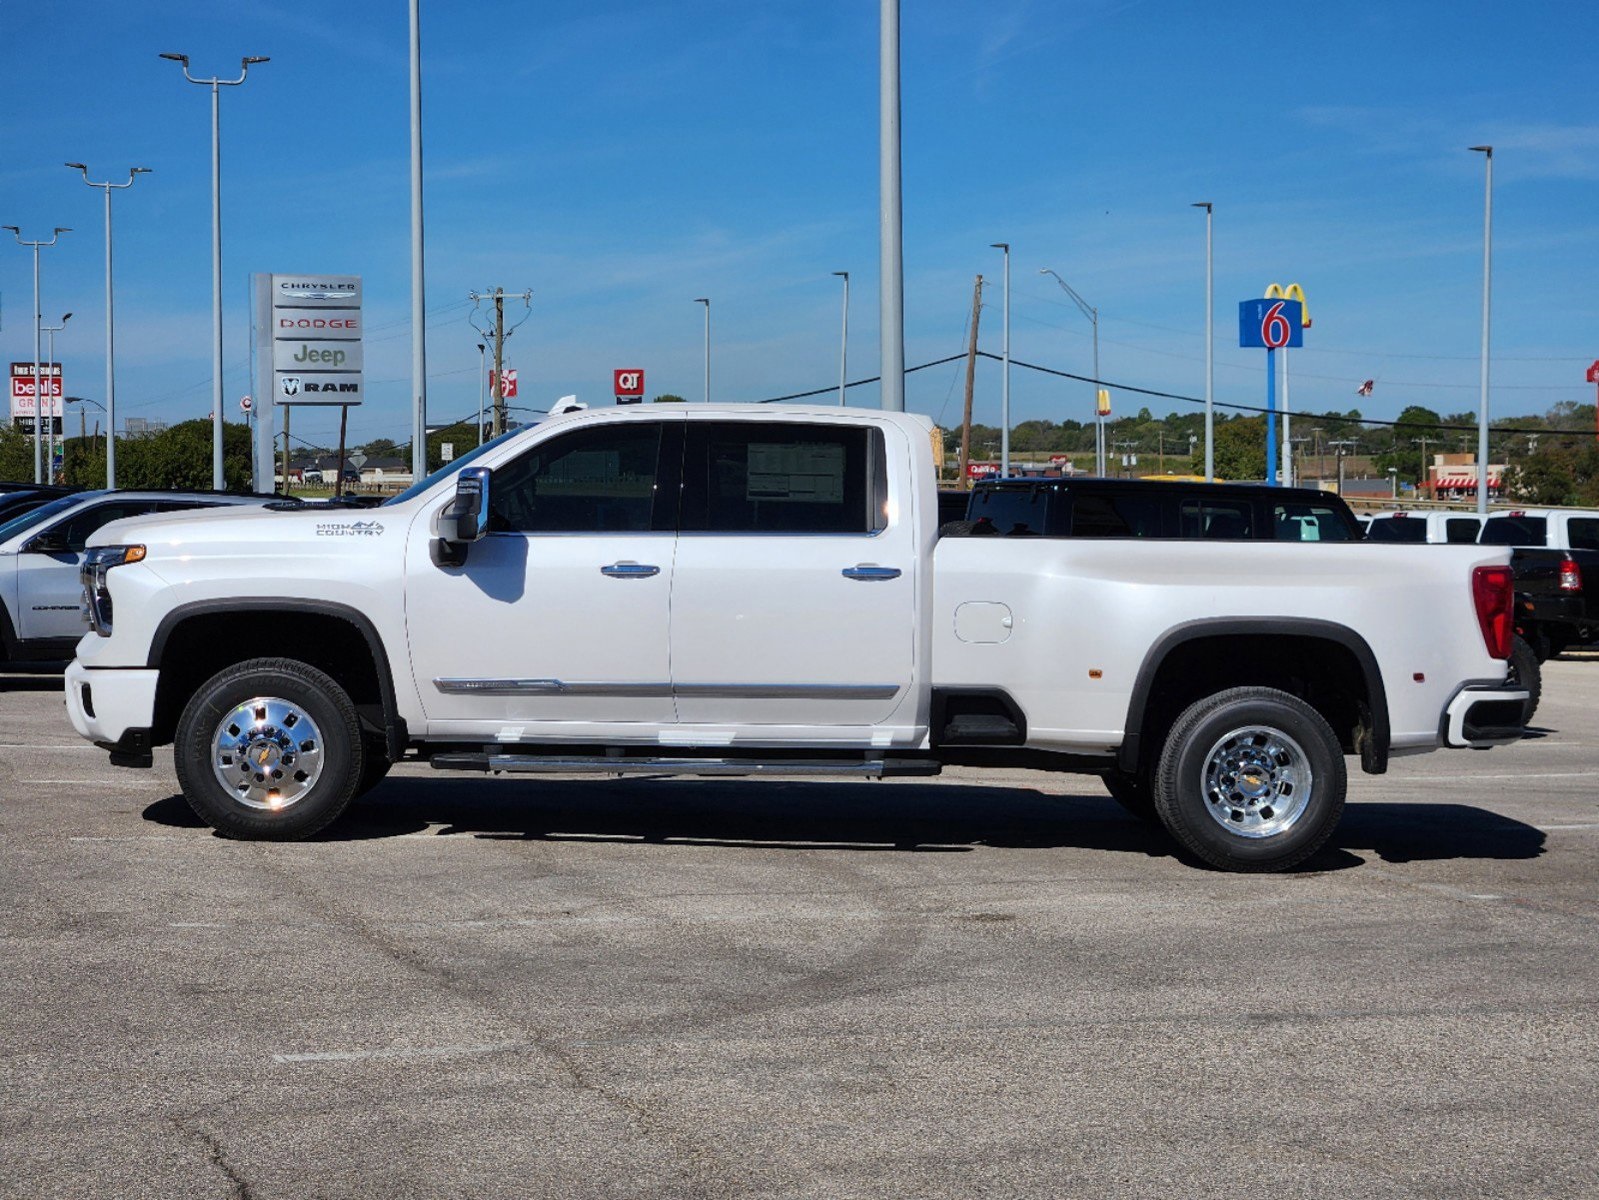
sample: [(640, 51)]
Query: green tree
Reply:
[(1416, 424), (668, 398), (462, 436), (1241, 448), (16, 455), (180, 457)]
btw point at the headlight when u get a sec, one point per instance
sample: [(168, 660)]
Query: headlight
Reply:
[(96, 598)]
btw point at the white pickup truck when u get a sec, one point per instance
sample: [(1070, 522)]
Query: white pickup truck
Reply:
[(747, 590)]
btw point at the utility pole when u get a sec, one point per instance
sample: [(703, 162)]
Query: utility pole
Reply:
[(1343, 445), (971, 379), (1426, 475), (288, 411), (497, 335)]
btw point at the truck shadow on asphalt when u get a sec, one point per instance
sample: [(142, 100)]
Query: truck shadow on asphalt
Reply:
[(886, 818)]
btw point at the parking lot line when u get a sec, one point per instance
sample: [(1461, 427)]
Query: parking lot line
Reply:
[(396, 1053)]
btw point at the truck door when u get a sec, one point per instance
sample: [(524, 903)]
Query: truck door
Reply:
[(558, 618), (794, 601)]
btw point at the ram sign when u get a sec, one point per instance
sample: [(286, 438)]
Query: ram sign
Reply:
[(308, 329)]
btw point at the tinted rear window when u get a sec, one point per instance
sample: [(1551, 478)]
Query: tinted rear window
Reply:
[(1515, 531), (1397, 529), (1229, 520), (1014, 512), (1584, 533), (1462, 529)]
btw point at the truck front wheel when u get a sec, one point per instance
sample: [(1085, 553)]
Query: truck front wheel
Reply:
[(269, 749), (1250, 779)]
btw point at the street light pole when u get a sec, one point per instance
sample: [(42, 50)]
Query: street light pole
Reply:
[(50, 434), (482, 369), (1210, 346), (110, 338), (419, 350), (1487, 286), (843, 351), (1004, 388), (38, 319), (890, 222), (216, 84), (1092, 313), (705, 301)]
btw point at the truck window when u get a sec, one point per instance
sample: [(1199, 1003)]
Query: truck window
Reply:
[(596, 480), (1462, 529), (1116, 516), (1313, 523), (1583, 532), (1228, 520), (1398, 529), (1013, 512), (783, 478), (1514, 531)]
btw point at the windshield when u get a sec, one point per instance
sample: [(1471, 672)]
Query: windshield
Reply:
[(448, 469), (38, 516)]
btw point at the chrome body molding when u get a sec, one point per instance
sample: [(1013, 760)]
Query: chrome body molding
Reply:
[(698, 691)]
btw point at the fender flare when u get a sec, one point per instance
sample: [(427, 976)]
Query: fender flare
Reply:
[(1373, 751), (394, 726)]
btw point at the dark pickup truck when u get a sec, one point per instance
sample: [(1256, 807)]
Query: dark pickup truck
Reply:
[(1077, 507), (1555, 557)]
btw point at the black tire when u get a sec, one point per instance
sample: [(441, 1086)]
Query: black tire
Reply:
[(1524, 671), (308, 695), (1131, 791), (1291, 820)]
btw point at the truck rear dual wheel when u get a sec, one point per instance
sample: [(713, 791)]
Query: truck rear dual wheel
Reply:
[(1250, 779), (270, 749)]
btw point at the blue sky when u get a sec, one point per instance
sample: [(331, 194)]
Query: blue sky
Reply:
[(621, 159)]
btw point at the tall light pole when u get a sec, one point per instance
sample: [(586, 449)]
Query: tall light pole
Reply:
[(1092, 313), (110, 338), (419, 350), (1004, 386), (890, 223), (1487, 288), (50, 435), (216, 85), (482, 370), (703, 300), (1210, 346), (843, 350), (38, 320)]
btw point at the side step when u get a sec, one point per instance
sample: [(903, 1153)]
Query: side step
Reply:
[(538, 764)]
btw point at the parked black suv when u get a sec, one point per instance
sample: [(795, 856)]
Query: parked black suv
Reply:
[(1132, 508)]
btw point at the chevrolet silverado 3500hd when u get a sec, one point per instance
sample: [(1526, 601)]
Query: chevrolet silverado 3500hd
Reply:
[(747, 590)]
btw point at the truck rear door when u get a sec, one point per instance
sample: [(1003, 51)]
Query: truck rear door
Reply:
[(793, 600)]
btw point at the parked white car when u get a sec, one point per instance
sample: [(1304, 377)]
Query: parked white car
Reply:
[(41, 551), (748, 590)]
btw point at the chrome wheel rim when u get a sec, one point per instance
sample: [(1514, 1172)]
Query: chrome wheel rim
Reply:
[(267, 753), (1258, 782)]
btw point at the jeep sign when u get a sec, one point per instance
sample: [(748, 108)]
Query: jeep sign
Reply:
[(308, 328)]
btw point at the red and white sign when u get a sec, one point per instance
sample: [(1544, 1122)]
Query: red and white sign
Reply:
[(22, 389), (629, 385), (1593, 373), (1060, 460), (508, 390), (981, 470), (246, 404)]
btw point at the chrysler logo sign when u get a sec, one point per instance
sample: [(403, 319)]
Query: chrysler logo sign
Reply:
[(296, 290)]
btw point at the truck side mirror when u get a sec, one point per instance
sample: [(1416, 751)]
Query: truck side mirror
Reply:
[(466, 519)]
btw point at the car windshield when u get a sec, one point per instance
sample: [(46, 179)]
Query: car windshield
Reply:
[(38, 516), (448, 469)]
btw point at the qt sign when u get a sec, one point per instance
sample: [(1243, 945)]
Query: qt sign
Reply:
[(629, 383)]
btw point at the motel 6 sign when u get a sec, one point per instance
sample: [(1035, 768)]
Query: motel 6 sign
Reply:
[(1271, 324)]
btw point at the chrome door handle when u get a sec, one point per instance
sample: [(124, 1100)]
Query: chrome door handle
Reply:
[(630, 570), (870, 573)]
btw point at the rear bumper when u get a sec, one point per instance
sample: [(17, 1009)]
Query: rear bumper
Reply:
[(1481, 715), (107, 705)]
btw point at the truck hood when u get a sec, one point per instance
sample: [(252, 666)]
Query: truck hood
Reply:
[(236, 529)]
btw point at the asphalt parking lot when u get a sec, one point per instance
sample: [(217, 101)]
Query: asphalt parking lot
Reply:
[(993, 985)]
